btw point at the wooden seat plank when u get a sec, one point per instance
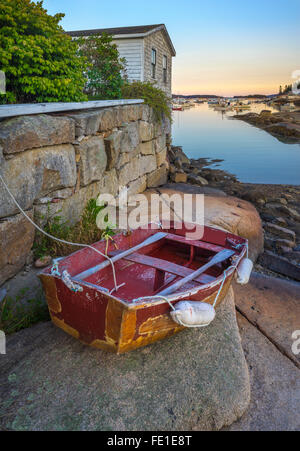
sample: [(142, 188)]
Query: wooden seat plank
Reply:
[(159, 236), (221, 257), (198, 244), (164, 265)]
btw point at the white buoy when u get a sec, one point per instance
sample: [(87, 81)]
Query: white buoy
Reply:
[(244, 271), (193, 314)]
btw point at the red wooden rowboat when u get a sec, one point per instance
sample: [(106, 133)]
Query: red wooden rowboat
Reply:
[(148, 262)]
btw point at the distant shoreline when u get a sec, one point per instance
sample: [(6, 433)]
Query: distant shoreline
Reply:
[(285, 126), (215, 96)]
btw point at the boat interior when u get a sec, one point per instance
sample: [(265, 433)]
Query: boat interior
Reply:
[(153, 268)]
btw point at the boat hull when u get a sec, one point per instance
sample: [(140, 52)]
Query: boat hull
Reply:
[(103, 321), (114, 326)]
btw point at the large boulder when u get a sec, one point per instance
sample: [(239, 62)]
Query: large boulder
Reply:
[(197, 380), (129, 172), (157, 177), (160, 143), (147, 164), (161, 157), (93, 160), (187, 188), (86, 122), (112, 148), (146, 131), (137, 186), (220, 211), (268, 303), (225, 213), (130, 138), (236, 216), (147, 148), (105, 119), (28, 132), (36, 173), (16, 240), (71, 208), (275, 384)]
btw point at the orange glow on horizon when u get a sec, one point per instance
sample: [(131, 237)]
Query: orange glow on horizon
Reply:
[(241, 73), (228, 86), (228, 90)]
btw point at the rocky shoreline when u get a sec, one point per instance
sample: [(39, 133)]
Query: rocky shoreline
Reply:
[(284, 125), (277, 205)]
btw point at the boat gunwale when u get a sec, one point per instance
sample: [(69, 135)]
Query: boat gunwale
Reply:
[(142, 303), (131, 304), (191, 291)]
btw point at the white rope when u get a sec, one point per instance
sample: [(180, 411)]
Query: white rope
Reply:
[(58, 239), (238, 246), (159, 224), (222, 284), (66, 278)]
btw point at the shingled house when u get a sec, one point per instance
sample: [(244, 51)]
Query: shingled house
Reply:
[(147, 49)]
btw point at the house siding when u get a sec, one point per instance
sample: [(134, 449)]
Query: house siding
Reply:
[(158, 42), (132, 50)]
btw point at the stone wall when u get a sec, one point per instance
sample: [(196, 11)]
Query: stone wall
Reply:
[(58, 162)]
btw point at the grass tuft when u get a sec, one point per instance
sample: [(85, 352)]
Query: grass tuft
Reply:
[(84, 232), (20, 313)]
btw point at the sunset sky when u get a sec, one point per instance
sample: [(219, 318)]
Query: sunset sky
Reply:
[(224, 47)]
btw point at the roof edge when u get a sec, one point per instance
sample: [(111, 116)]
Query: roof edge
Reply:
[(159, 27)]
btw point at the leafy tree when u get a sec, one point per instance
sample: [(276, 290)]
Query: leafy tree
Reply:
[(154, 97), (40, 61), (105, 67), (287, 89)]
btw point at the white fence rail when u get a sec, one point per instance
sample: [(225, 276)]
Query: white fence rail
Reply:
[(56, 107)]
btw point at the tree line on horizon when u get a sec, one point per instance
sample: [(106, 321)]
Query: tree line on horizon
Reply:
[(214, 96), (287, 89)]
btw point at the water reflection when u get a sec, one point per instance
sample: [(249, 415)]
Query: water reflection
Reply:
[(253, 155)]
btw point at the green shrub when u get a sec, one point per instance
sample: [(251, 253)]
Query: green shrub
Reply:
[(40, 61), (104, 79), (153, 96), (84, 232), (20, 312)]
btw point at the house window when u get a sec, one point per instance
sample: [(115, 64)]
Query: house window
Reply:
[(153, 63), (165, 69)]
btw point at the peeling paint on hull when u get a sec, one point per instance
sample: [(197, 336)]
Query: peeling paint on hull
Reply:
[(115, 322)]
